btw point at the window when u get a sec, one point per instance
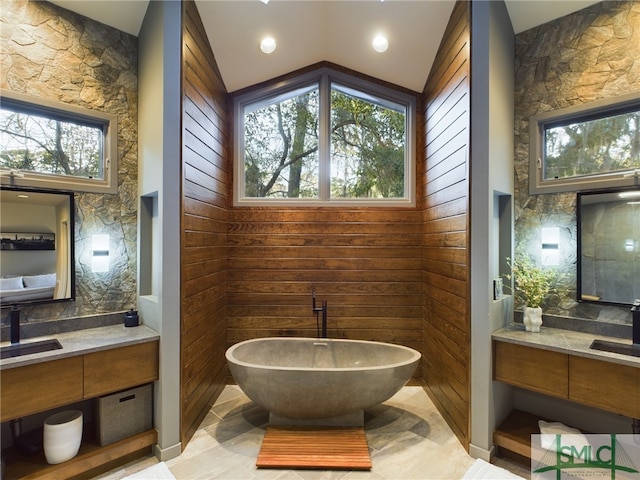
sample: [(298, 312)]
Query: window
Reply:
[(591, 146), (325, 137), (55, 145)]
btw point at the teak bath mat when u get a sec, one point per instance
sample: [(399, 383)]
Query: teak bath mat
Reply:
[(314, 447)]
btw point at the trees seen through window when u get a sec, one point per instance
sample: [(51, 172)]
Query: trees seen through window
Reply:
[(324, 140)]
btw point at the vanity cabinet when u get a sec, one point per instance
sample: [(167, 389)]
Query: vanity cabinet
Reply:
[(603, 384), (539, 370), (39, 387), (112, 370)]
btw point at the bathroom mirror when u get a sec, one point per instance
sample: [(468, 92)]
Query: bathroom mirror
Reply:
[(37, 246), (609, 246)]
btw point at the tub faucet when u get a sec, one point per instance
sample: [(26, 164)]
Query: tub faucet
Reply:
[(635, 313), (316, 310)]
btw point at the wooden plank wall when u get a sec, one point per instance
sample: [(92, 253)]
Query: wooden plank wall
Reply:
[(366, 262), (248, 272), (446, 116), (206, 187)]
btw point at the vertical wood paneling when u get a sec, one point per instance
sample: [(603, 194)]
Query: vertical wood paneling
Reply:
[(445, 191), (205, 190)]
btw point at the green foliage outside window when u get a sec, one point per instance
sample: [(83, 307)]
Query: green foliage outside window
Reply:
[(360, 154), (281, 148), (367, 149), (35, 143), (601, 145)]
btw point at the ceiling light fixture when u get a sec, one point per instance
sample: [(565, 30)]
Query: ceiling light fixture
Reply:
[(265, 1), (268, 45), (380, 43)]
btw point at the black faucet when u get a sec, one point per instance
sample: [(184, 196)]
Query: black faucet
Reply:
[(316, 310), (635, 313), (14, 325)]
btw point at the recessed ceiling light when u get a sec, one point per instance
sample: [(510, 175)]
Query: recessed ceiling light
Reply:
[(22, 195), (265, 1), (380, 43), (268, 45)]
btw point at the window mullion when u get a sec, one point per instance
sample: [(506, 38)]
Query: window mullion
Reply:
[(324, 140)]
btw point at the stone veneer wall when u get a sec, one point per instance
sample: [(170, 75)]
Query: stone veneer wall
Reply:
[(589, 55), (52, 53)]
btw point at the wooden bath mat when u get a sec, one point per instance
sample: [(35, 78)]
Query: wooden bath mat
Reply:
[(337, 448)]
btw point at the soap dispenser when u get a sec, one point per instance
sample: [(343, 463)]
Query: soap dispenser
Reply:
[(131, 318)]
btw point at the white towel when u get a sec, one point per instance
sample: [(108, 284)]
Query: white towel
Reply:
[(481, 470), (159, 471), (549, 430)]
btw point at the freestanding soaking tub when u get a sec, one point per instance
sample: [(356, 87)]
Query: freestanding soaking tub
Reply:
[(307, 378)]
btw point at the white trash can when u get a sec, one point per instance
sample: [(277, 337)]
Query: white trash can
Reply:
[(62, 436)]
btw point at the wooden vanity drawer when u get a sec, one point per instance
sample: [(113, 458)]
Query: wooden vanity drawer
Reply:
[(535, 369), (41, 386), (112, 370), (605, 385)]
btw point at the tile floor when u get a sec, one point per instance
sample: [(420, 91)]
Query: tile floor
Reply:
[(408, 439)]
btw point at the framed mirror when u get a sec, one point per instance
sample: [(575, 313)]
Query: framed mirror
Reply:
[(609, 246), (36, 246)]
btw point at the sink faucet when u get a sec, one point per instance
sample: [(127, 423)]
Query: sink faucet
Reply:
[(14, 325), (323, 310), (635, 312)]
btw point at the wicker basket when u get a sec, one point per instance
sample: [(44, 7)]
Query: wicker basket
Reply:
[(123, 414)]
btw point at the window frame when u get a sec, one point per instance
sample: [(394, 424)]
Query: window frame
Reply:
[(588, 111), (324, 77), (53, 109)]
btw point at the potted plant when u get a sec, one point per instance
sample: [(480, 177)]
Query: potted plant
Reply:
[(532, 284)]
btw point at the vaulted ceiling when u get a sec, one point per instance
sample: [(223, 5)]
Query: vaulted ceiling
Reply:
[(310, 31)]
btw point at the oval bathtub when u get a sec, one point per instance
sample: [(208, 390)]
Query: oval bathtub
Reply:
[(307, 378)]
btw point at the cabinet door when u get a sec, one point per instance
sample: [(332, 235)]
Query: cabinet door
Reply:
[(41, 386), (535, 369), (606, 385), (112, 370)]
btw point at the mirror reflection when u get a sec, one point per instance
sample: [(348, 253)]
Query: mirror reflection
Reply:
[(609, 246), (36, 246)]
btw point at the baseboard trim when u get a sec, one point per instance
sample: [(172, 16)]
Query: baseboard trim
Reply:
[(164, 454), (482, 453)]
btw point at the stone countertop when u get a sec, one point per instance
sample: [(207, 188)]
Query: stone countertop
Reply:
[(80, 342), (564, 341)]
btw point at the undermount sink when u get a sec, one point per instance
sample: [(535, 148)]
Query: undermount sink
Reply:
[(614, 347), (20, 349)]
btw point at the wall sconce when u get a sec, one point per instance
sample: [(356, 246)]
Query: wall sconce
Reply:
[(100, 253), (628, 245), (550, 246)]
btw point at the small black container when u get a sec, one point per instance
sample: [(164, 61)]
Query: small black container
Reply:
[(131, 318)]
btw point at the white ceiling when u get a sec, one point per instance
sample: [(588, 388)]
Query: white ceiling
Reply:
[(310, 31)]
